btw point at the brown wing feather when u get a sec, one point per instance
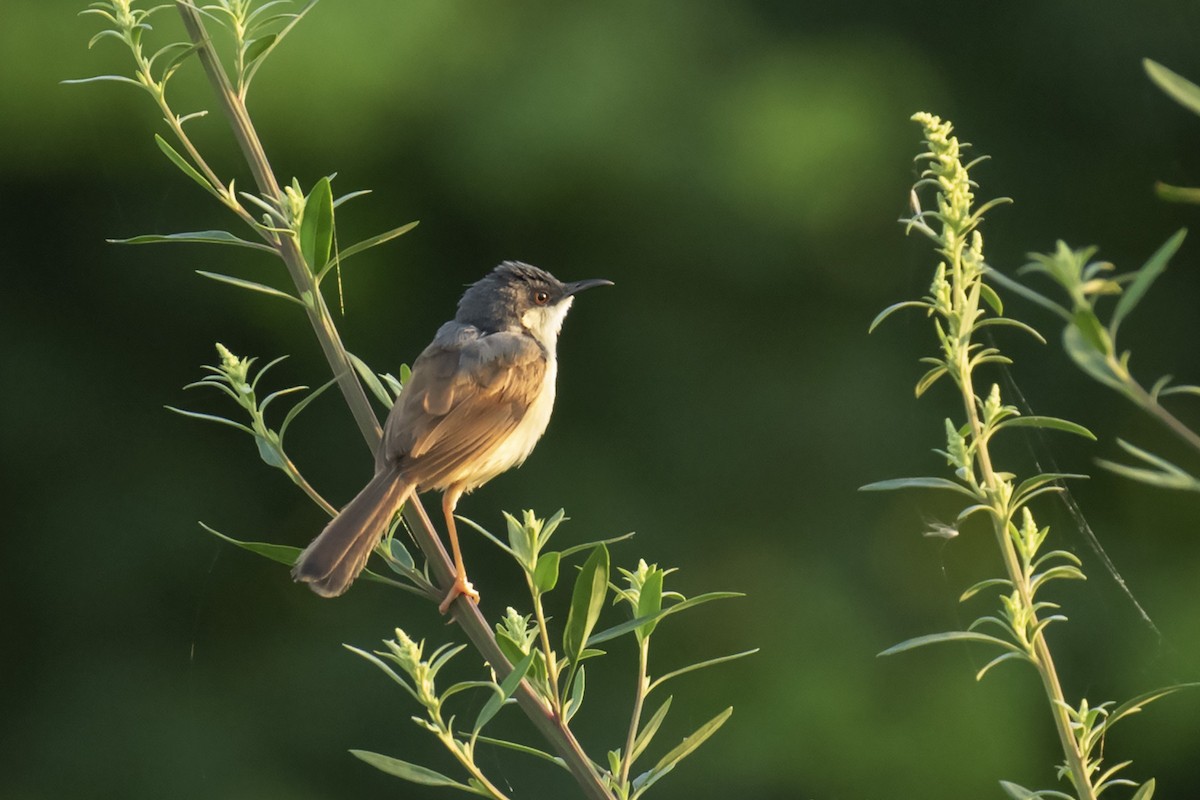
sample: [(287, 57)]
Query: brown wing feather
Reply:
[(461, 403)]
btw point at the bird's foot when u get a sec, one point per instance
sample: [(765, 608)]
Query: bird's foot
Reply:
[(462, 587)]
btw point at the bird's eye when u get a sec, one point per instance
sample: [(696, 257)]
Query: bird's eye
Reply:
[(541, 298)]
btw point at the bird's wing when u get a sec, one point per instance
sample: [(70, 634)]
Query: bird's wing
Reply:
[(467, 392)]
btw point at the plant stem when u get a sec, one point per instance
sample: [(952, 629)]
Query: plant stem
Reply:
[(639, 697), (1153, 407), (1043, 661), (465, 613), (547, 650)]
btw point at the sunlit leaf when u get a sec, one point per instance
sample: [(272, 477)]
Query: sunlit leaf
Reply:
[(587, 599), (1051, 423), (507, 687), (182, 163), (241, 283), (917, 483), (203, 237), (1179, 88), (316, 226), (413, 773), (948, 636), (1154, 266)]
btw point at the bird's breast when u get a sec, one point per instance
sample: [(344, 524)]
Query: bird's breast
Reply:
[(517, 446)]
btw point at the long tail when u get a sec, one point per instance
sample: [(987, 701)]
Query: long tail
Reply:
[(335, 558)]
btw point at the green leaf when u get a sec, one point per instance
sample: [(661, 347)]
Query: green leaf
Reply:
[(486, 534), (1142, 700), (681, 751), (295, 410), (1053, 423), (251, 285), (929, 379), (1176, 194), (1029, 294), (545, 574), (371, 380), (1000, 659), (256, 48), (203, 237), (587, 599), (507, 687), (1145, 791), (522, 748), (892, 309), (637, 622), (409, 772), (991, 298), (1017, 792), (649, 603), (378, 239), (1154, 266), (646, 734), (284, 554), (700, 665), (948, 636), (917, 483), (210, 418), (1179, 88), (1091, 361), (183, 164), (99, 78), (578, 685), (316, 226), (982, 585), (1165, 474), (570, 551)]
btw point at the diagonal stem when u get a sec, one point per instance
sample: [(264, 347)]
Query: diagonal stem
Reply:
[(549, 724)]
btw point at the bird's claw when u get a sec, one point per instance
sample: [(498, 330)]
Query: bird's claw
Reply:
[(462, 587)]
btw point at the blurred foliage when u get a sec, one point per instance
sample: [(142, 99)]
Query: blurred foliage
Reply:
[(737, 168)]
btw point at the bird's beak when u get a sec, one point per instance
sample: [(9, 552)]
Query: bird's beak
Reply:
[(579, 286)]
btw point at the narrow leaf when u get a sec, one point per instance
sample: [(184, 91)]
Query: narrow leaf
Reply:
[(1179, 88), (316, 226), (578, 686), (409, 772), (507, 687), (99, 78), (545, 574), (371, 380), (917, 483), (1142, 700), (522, 748), (183, 164), (634, 624), (203, 237), (649, 603), (241, 283), (700, 665), (686, 747), (586, 601), (1145, 791), (948, 636), (255, 49), (892, 309), (284, 554), (646, 734), (1090, 360), (1053, 423), (1154, 266), (378, 239), (1176, 194)]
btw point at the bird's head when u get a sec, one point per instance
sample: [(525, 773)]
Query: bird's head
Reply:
[(516, 296)]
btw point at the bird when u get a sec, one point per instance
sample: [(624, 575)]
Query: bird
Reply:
[(478, 400)]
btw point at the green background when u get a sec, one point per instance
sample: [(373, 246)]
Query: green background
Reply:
[(737, 170)]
